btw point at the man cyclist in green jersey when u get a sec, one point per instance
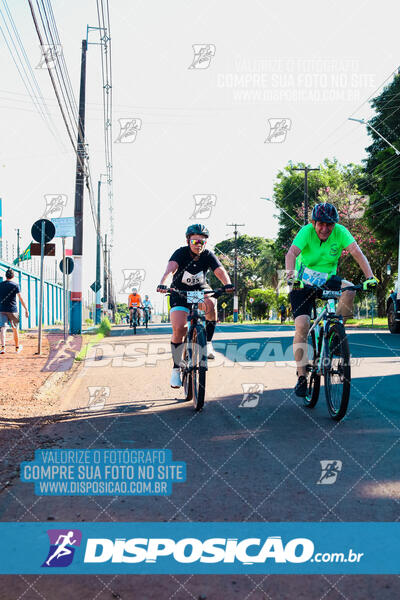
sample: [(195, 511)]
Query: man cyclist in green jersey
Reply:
[(313, 259)]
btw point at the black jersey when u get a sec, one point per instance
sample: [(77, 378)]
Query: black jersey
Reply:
[(192, 269)]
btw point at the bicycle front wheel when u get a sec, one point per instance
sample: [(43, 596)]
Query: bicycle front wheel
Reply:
[(314, 378), (337, 372), (198, 360)]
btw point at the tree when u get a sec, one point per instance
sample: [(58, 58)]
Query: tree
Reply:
[(382, 179), (256, 264)]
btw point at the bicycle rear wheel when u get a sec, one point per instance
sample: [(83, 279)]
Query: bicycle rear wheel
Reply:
[(198, 358), (337, 372), (314, 379), (186, 373)]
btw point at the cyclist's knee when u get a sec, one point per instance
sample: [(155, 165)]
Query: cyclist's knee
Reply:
[(302, 325)]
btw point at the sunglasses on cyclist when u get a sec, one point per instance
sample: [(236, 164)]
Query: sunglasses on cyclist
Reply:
[(198, 242)]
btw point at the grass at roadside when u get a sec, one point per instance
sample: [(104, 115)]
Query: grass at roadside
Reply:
[(93, 337), (379, 323)]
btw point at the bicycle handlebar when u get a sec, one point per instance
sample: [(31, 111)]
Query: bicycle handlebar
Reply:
[(215, 293)]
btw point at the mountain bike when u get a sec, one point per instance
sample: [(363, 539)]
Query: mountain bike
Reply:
[(194, 362), (134, 320), (329, 355)]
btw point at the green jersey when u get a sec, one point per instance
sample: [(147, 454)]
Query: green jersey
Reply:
[(318, 260)]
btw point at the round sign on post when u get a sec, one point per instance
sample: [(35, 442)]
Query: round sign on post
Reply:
[(69, 265), (251, 300), (49, 231)]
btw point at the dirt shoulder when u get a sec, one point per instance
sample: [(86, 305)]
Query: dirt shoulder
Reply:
[(30, 387)]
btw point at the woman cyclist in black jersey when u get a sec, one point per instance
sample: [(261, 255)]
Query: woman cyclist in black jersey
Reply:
[(189, 265)]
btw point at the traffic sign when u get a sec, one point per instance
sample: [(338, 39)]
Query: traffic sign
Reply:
[(96, 285), (49, 230), (103, 299), (49, 249), (69, 265), (65, 226), (251, 300), (224, 305)]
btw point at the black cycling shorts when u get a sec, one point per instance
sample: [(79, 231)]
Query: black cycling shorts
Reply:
[(302, 301)]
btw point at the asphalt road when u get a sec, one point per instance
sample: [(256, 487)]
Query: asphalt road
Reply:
[(249, 458)]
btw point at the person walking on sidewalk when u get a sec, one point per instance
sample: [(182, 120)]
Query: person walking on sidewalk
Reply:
[(9, 290)]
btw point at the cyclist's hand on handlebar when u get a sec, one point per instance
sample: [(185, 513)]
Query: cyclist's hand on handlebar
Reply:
[(294, 284), (229, 288), (162, 289), (370, 284)]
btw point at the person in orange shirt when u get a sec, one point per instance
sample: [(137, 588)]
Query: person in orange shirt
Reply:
[(134, 301)]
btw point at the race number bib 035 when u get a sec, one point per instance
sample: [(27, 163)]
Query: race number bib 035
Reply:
[(193, 279), (311, 277)]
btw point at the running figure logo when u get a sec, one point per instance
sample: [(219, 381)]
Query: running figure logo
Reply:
[(98, 396), (55, 204), (203, 205), (128, 129), (330, 469), (50, 54), (203, 54), (132, 278), (278, 129), (251, 394), (62, 547)]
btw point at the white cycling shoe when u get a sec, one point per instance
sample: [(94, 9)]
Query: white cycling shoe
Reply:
[(175, 380), (210, 350)]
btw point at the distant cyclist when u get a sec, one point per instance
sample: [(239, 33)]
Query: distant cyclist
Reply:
[(189, 265), (313, 259), (147, 304), (134, 301)]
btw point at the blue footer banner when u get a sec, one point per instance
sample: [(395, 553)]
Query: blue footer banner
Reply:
[(186, 547)]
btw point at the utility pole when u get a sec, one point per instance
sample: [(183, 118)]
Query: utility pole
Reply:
[(18, 247), (235, 297), (306, 172), (105, 284), (76, 286), (97, 318)]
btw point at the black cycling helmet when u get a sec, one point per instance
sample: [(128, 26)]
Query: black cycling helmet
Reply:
[(197, 229), (325, 213)]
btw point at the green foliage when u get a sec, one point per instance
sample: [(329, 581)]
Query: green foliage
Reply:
[(265, 300), (256, 266), (105, 326), (89, 321), (122, 309)]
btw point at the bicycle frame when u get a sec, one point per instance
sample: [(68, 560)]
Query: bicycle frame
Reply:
[(326, 315)]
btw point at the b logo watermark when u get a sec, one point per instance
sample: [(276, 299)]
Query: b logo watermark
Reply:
[(203, 54), (50, 55), (251, 394), (330, 470), (55, 204), (128, 129), (98, 396), (278, 129), (133, 278), (203, 205)]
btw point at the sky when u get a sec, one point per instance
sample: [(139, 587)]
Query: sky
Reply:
[(205, 131)]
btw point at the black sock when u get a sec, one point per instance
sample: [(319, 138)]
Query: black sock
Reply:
[(210, 328), (176, 349)]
